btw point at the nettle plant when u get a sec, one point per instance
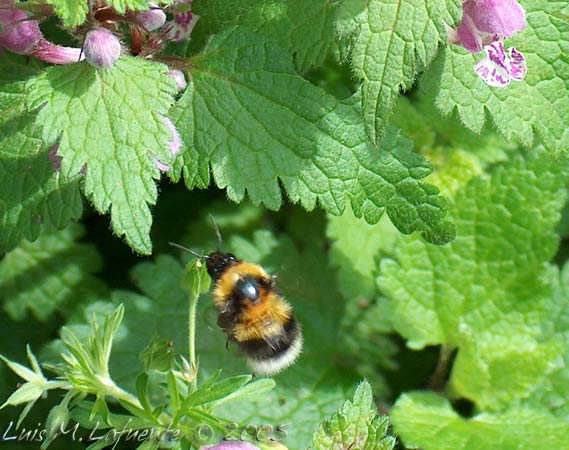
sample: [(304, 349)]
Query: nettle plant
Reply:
[(338, 106)]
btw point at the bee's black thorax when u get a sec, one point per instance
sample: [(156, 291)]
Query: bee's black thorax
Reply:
[(217, 263)]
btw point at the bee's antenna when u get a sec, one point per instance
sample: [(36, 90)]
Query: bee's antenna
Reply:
[(217, 232), (189, 250)]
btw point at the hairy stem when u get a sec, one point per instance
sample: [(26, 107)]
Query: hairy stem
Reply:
[(192, 311)]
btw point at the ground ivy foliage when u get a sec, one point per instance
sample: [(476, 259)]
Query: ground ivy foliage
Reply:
[(108, 122), (428, 421), (489, 293)]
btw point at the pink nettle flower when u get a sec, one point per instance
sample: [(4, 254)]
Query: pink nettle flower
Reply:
[(22, 35), (174, 144), (498, 69), (184, 21), (101, 47), (152, 19), (484, 23)]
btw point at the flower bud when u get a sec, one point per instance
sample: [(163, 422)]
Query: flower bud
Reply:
[(19, 34), (179, 78), (151, 20), (55, 158), (232, 445), (101, 47)]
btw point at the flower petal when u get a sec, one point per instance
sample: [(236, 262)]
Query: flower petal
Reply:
[(494, 69), (470, 37), (497, 54), (517, 65), (501, 17), (181, 27)]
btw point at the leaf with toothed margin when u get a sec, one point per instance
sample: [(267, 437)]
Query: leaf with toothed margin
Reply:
[(390, 42), (33, 196), (537, 105), (356, 424), (110, 121), (257, 123), (489, 292)]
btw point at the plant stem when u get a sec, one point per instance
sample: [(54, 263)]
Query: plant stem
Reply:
[(437, 381), (112, 390), (192, 311)]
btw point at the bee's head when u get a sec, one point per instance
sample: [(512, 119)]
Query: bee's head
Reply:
[(217, 263)]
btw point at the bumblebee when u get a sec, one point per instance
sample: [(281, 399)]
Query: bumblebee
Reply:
[(252, 312)]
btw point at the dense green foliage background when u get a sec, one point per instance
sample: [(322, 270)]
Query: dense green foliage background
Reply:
[(420, 236)]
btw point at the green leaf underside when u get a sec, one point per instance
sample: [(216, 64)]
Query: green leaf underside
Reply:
[(255, 122), (32, 195), (109, 121), (391, 41), (48, 274), (305, 29), (427, 421), (537, 104), (356, 424), (489, 293)]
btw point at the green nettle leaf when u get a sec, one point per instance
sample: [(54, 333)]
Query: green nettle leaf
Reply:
[(110, 121), (72, 12), (427, 421), (390, 43), (33, 196), (489, 292), (355, 425), (305, 29), (47, 275), (539, 103), (257, 123), (553, 391)]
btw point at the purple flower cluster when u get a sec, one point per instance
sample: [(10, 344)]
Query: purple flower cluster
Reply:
[(485, 23), (22, 35)]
